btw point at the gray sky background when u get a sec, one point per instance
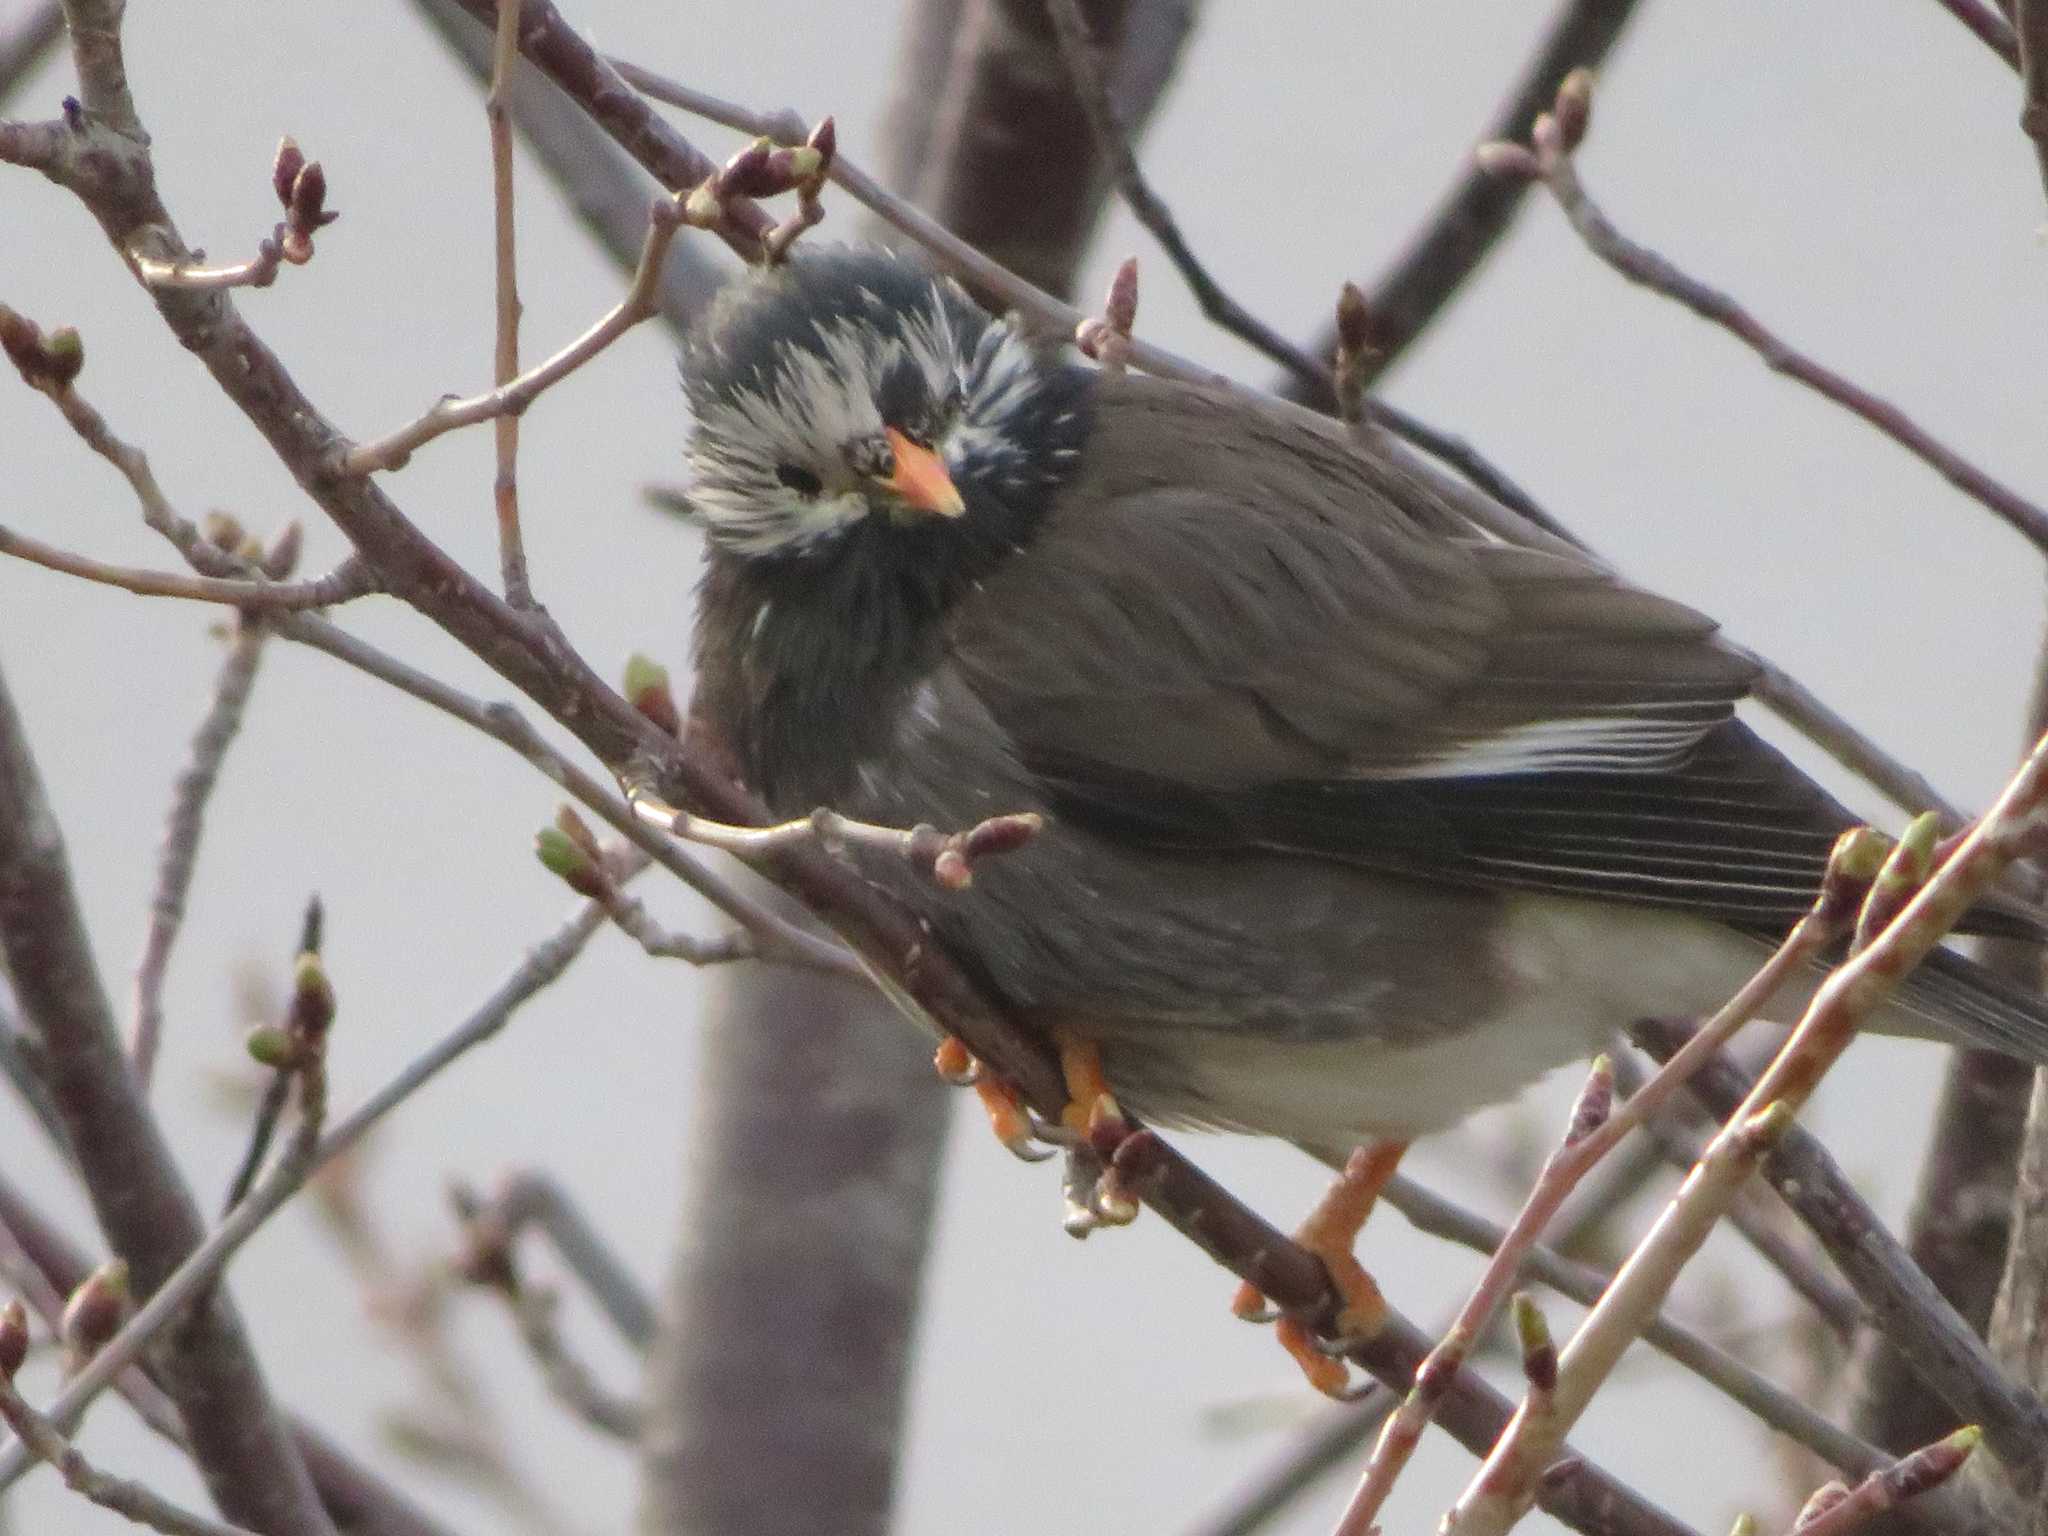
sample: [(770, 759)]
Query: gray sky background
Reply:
[(1850, 168)]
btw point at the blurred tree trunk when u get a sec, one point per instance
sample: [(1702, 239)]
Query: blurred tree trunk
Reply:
[(777, 1384)]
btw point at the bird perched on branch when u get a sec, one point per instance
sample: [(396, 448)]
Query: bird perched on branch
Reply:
[(1358, 818)]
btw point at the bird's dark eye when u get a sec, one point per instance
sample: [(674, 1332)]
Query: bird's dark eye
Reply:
[(799, 479)]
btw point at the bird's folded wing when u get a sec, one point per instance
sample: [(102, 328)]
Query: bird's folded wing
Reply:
[(1238, 631)]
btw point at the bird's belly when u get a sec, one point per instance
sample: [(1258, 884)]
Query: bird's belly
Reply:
[(1564, 975)]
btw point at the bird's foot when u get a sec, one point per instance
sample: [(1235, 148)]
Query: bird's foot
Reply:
[(1096, 1125), (1007, 1117), (1092, 1110), (1331, 1234)]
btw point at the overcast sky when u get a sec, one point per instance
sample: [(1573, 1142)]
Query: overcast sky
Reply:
[(1851, 168)]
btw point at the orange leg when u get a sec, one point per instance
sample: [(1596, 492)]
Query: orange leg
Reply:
[(1007, 1116), (1331, 1234), (1091, 1107)]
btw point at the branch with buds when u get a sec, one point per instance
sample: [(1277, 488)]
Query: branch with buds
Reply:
[(301, 186), (1549, 159)]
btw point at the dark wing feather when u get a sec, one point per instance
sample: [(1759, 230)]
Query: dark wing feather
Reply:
[(1270, 638)]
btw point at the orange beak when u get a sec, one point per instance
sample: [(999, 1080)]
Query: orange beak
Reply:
[(920, 478)]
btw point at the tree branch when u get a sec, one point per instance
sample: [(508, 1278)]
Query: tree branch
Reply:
[(148, 1215), (182, 830), (197, 1276), (1478, 210), (1552, 163)]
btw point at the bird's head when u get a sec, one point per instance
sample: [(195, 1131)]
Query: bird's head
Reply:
[(851, 390)]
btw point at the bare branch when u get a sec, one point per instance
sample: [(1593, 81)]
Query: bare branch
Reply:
[(529, 1198), (1091, 85), (1991, 29), (488, 1258), (132, 1500), (1472, 217), (252, 1468), (2030, 22), (196, 1276), (1888, 1488), (182, 830), (28, 39), (505, 362), (356, 1498), (1552, 163), (947, 857), (515, 395), (2016, 825), (605, 189), (351, 579), (1904, 1305)]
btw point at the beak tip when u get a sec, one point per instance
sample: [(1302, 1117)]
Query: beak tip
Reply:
[(921, 479)]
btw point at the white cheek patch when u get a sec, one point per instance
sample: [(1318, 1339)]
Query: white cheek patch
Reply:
[(820, 398)]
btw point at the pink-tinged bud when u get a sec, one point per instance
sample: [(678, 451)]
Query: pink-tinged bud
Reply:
[(1933, 1465), (560, 855), (1354, 323), (1120, 308), (647, 690), (284, 170), (1595, 1102), (825, 140), (952, 870), (748, 173), (13, 1338), (312, 1004), (22, 340), (1819, 1502), (1002, 834), (1573, 108), (64, 355), (95, 1310)]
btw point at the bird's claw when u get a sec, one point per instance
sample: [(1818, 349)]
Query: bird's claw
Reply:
[(1330, 1233)]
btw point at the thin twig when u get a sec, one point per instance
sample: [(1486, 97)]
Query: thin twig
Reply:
[(195, 1276), (1756, 1217), (1596, 1128), (489, 1259), (182, 830), (1941, 1347), (28, 39), (356, 1498), (259, 271), (2016, 825), (1552, 162), (350, 579), (594, 177), (775, 939), (1772, 1405), (1091, 86), (142, 1202), (2030, 24), (664, 218), (1887, 1488), (1991, 29), (134, 1501), (505, 362), (1470, 220), (530, 1198), (947, 857)]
